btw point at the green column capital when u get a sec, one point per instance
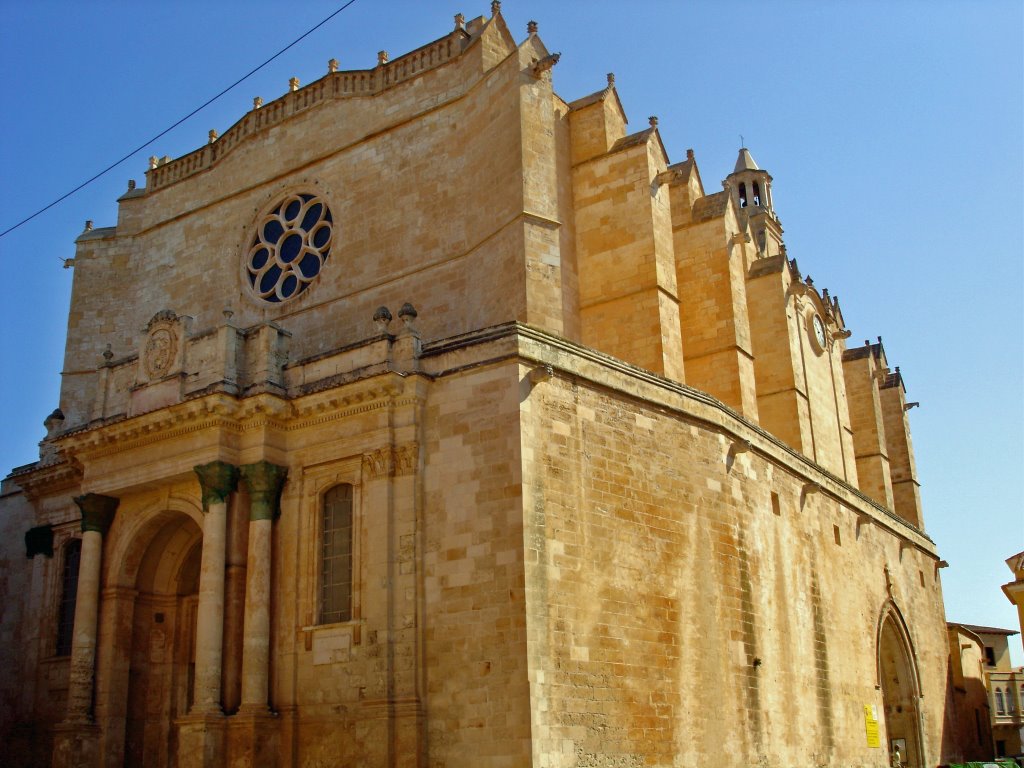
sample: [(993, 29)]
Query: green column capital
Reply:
[(264, 482), (97, 512), (217, 480)]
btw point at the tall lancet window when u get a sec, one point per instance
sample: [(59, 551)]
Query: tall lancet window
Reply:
[(68, 596), (757, 194), (336, 556), (743, 195)]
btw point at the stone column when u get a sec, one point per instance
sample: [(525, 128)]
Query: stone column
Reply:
[(264, 482), (76, 740), (97, 515), (217, 480)]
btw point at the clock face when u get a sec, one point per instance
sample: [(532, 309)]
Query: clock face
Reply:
[(819, 331)]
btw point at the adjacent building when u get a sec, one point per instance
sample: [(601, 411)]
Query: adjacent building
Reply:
[(427, 418)]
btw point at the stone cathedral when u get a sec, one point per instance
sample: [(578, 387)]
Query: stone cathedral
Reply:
[(426, 418)]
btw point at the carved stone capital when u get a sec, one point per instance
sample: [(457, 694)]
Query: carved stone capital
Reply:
[(390, 461), (406, 459), (97, 511), (264, 482), (379, 463), (218, 480)]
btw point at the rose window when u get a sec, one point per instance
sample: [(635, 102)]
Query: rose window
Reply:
[(292, 242)]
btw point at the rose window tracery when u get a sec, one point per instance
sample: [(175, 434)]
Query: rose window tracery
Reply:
[(291, 245)]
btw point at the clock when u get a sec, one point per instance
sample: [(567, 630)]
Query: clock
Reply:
[(818, 328)]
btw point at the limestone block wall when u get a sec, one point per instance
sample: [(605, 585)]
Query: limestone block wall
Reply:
[(628, 301), (475, 627), (861, 373), (685, 601), (711, 267), (399, 171), (782, 405), (33, 686), (906, 489)]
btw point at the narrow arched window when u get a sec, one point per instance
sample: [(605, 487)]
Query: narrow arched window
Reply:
[(743, 195), (71, 557), (757, 194), (336, 555), (1000, 703), (1011, 700)]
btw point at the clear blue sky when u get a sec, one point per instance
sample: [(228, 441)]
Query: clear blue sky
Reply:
[(893, 131)]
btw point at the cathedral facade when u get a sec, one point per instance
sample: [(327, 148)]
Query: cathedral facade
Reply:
[(425, 418)]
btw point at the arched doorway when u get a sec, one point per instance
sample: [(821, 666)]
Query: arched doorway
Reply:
[(898, 680), (161, 659)]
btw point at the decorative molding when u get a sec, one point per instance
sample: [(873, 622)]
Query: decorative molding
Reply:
[(48, 480), (335, 85)]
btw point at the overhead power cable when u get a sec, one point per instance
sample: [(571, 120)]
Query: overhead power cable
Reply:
[(194, 112)]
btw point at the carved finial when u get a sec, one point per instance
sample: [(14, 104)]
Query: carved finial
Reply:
[(809, 281), (88, 225), (689, 154), (381, 318), (653, 120), (152, 162), (867, 342), (332, 65), (257, 102), (460, 21), (611, 79), (531, 27), (293, 84), (495, 7), (131, 183), (212, 135), (108, 354), (407, 314), (879, 339), (382, 57), (165, 159)]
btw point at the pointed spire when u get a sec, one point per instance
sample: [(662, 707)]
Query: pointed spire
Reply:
[(745, 162)]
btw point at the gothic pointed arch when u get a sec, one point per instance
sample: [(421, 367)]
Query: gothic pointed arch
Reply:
[(890, 612), (898, 680)]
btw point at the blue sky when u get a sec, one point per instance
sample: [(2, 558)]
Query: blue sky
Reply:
[(893, 131)]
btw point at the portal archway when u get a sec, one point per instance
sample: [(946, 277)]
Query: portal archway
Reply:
[(160, 650), (900, 687)]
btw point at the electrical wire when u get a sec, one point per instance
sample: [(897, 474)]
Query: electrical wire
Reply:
[(194, 112)]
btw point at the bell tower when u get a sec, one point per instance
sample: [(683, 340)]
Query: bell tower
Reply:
[(751, 191)]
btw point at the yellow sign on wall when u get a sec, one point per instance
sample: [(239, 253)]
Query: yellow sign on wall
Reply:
[(871, 725)]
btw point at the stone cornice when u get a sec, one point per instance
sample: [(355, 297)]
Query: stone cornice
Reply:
[(567, 358), (48, 480), (223, 411)]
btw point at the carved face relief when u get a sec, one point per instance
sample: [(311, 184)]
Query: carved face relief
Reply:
[(159, 354)]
